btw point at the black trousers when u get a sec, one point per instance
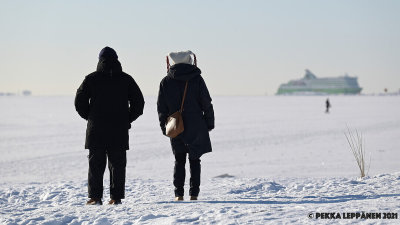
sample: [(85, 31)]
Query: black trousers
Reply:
[(179, 175), (116, 166)]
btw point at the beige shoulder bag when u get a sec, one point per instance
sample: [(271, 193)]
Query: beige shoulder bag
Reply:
[(174, 125)]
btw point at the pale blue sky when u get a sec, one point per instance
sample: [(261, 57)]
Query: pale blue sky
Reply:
[(243, 47)]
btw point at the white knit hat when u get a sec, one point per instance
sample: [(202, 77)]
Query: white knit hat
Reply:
[(181, 57)]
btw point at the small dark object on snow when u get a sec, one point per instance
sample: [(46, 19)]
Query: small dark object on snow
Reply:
[(225, 175)]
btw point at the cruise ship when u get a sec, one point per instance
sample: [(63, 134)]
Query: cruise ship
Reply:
[(310, 84)]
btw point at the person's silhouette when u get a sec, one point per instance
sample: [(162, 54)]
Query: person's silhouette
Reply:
[(110, 100)]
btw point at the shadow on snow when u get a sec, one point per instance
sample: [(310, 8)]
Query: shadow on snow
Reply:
[(304, 200)]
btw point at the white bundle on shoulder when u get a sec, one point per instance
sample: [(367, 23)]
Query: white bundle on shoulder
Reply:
[(181, 57)]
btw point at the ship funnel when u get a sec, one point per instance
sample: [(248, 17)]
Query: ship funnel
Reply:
[(309, 75)]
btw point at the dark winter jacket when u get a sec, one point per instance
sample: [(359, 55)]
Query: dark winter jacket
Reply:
[(110, 100), (198, 112)]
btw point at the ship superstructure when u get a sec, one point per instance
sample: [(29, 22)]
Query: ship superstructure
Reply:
[(310, 84)]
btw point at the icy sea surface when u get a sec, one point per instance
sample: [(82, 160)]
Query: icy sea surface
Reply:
[(274, 160)]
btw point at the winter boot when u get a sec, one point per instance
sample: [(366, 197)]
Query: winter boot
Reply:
[(193, 197), (115, 202), (179, 198), (94, 201)]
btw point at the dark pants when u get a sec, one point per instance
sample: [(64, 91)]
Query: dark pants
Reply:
[(179, 175), (97, 166)]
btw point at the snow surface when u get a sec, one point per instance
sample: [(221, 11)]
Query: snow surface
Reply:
[(274, 160)]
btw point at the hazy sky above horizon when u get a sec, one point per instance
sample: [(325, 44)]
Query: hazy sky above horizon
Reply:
[(243, 47)]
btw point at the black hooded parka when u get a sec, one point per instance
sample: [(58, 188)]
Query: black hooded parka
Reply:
[(198, 112), (110, 100)]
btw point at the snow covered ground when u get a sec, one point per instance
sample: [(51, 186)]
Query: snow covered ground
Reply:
[(285, 158)]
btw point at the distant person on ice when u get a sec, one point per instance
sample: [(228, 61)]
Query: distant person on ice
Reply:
[(198, 117), (110, 100), (328, 105)]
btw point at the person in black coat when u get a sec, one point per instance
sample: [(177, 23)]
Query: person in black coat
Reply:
[(198, 118), (328, 105), (110, 100)]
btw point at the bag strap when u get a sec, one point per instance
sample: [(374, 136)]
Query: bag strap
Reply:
[(168, 65), (184, 96)]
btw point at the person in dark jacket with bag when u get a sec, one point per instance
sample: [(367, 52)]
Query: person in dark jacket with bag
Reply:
[(110, 100), (197, 114)]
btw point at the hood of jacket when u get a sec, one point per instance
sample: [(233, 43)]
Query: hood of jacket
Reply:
[(183, 71), (109, 65)]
